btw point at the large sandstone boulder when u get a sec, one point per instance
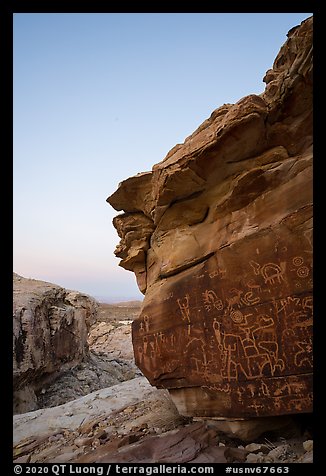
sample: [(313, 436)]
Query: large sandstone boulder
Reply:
[(219, 235), (50, 329)]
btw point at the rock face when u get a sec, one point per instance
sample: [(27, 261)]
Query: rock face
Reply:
[(50, 327), (219, 236)]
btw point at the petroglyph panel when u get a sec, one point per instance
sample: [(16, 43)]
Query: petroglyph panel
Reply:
[(246, 332)]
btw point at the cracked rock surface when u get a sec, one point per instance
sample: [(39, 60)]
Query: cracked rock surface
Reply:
[(50, 330)]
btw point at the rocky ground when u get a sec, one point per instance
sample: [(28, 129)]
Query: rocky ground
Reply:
[(110, 360), (104, 410)]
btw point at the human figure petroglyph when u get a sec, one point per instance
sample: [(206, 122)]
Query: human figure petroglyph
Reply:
[(148, 354), (157, 343), (144, 325), (145, 344), (256, 407), (217, 332), (184, 308)]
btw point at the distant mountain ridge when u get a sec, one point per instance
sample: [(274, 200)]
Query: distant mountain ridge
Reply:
[(119, 301)]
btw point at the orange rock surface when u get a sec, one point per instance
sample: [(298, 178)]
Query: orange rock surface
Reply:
[(219, 236)]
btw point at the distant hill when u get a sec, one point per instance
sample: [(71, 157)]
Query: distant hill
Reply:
[(119, 301)]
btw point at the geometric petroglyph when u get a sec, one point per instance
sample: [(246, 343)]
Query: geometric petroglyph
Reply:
[(297, 261), (236, 316), (217, 272), (211, 301), (303, 272), (307, 302), (249, 299)]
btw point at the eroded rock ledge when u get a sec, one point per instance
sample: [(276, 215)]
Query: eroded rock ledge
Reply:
[(219, 236), (50, 329)]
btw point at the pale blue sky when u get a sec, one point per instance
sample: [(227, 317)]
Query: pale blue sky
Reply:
[(99, 97)]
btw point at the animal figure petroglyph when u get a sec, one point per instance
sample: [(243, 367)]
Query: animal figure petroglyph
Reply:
[(235, 298), (271, 272), (252, 285)]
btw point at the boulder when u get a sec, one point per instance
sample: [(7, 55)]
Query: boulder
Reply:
[(50, 329), (219, 235), (105, 409)]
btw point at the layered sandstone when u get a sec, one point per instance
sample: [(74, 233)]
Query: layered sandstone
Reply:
[(219, 236), (136, 423), (50, 330)]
